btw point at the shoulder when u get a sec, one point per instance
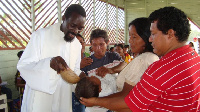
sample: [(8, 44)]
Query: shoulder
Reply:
[(112, 55), (51, 28), (149, 56), (55, 26), (146, 59)]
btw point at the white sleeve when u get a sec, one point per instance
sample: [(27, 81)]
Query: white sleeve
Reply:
[(139, 66), (137, 69), (35, 71)]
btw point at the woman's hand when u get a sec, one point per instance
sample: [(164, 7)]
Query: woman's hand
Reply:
[(102, 71)]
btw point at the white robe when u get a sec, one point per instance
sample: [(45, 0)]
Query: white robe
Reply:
[(45, 90)]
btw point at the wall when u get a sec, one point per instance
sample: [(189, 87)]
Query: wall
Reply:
[(8, 63), (140, 8)]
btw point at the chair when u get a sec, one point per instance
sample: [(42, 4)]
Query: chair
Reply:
[(3, 102)]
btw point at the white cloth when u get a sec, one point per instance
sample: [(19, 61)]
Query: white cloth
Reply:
[(45, 90), (108, 86), (133, 72)]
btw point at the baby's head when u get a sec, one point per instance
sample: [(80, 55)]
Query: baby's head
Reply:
[(88, 87)]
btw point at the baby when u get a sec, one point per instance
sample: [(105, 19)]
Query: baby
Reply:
[(95, 86), (88, 87)]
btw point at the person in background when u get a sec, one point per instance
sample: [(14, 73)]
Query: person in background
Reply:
[(119, 48), (76, 105), (105, 65), (108, 48), (20, 85), (85, 61), (172, 83), (91, 50), (19, 81), (126, 48), (50, 51), (191, 44), (112, 49), (82, 41)]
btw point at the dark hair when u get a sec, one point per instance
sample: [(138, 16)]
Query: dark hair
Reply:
[(111, 48), (19, 54), (172, 18), (85, 88), (142, 26), (119, 45), (191, 44), (99, 33), (126, 46), (75, 8)]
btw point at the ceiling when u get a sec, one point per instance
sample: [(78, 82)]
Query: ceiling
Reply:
[(141, 8)]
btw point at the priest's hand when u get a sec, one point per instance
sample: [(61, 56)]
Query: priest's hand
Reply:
[(58, 64), (88, 102)]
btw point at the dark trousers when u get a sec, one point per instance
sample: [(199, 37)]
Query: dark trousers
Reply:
[(76, 105)]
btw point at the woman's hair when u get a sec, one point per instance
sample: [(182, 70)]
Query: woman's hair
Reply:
[(87, 89), (142, 26)]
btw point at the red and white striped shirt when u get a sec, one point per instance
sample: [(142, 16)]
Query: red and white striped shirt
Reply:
[(170, 84)]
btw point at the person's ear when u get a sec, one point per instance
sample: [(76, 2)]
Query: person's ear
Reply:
[(171, 33), (171, 36)]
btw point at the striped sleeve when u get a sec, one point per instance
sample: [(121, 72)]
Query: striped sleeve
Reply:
[(143, 94)]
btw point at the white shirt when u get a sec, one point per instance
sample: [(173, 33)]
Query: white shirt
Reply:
[(45, 90), (133, 72)]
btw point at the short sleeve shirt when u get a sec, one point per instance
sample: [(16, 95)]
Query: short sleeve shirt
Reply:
[(132, 73), (170, 84)]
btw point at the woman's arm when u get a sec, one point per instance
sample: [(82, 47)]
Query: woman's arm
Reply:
[(102, 71)]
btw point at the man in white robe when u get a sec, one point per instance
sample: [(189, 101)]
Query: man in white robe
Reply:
[(45, 90)]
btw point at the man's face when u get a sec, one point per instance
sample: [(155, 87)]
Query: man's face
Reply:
[(72, 26), (159, 40), (99, 47)]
